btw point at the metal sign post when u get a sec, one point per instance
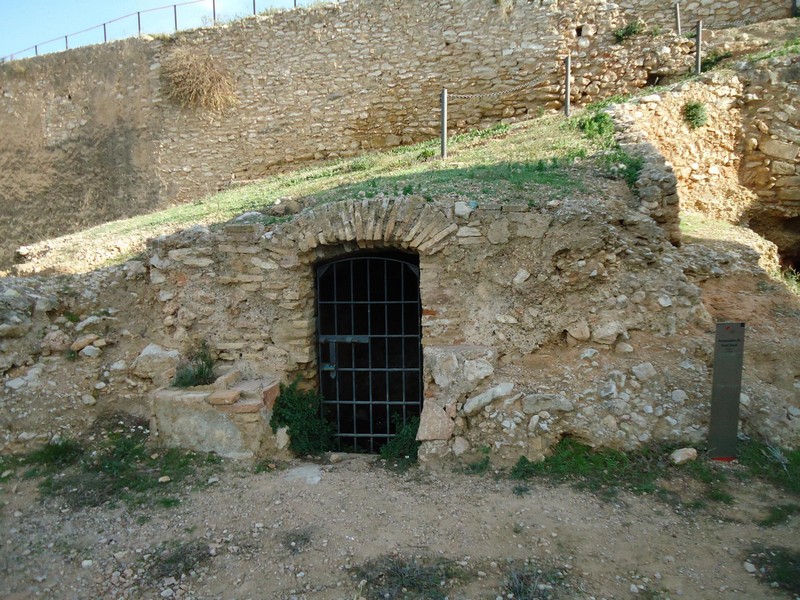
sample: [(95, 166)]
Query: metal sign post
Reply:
[(726, 390), (444, 122)]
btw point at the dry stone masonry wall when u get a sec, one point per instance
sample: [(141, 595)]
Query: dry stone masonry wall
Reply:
[(89, 133)]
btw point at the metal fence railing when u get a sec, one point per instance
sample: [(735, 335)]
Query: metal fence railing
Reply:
[(210, 18)]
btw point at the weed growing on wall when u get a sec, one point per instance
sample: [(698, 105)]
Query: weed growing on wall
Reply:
[(694, 113), (631, 29), (198, 370), (301, 413), (196, 80)]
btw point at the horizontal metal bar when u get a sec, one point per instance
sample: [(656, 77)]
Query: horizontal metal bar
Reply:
[(347, 339)]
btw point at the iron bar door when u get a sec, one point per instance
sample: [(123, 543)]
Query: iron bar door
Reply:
[(369, 347)]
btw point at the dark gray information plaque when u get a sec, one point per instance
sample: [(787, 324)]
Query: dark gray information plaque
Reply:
[(725, 391)]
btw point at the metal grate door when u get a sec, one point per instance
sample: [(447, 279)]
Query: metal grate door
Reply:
[(369, 347)]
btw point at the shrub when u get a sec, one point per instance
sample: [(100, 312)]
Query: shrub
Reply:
[(300, 412), (631, 29), (694, 113), (402, 450), (199, 370), (194, 79)]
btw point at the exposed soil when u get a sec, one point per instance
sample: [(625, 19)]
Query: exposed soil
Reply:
[(298, 532)]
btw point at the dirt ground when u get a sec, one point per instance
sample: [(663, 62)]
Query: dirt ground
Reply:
[(300, 531)]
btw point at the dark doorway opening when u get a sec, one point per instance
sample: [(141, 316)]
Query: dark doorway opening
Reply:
[(369, 346)]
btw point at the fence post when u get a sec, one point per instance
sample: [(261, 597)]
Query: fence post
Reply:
[(254, 7), (214, 10), (139, 21), (175, 15), (678, 18), (444, 122), (105, 33), (66, 42), (567, 83), (698, 45)]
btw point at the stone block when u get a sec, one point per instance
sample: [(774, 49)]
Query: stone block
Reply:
[(434, 424), (241, 407), (223, 397)]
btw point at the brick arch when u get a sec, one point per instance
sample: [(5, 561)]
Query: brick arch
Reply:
[(402, 222)]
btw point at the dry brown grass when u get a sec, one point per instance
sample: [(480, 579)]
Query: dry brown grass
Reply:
[(194, 79)]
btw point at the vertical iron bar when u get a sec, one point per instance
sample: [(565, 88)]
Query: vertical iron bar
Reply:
[(105, 34), (214, 10), (139, 20), (698, 44), (353, 388), (66, 42), (254, 7), (370, 373), (443, 126), (567, 83), (175, 15), (36, 50), (386, 363), (678, 18)]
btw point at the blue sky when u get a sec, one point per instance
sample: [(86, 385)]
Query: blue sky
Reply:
[(24, 23)]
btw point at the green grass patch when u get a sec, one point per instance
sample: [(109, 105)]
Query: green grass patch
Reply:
[(402, 451), (778, 515), (596, 470), (775, 465), (502, 162), (419, 578), (116, 465), (778, 567), (301, 413)]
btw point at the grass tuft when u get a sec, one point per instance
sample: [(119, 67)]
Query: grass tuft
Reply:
[(532, 583), (198, 370), (777, 567), (418, 578)]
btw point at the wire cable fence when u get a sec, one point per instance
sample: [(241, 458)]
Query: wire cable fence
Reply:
[(206, 19)]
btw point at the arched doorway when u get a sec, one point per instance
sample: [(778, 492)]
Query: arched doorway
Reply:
[(369, 346)]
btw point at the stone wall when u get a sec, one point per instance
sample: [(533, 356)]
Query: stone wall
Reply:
[(502, 285), (742, 166), (89, 136)]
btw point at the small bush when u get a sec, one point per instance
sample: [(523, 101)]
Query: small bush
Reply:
[(363, 163), (712, 59), (194, 79), (199, 370), (780, 514), (596, 125), (694, 113), (426, 154), (300, 412), (403, 449), (631, 29), (180, 560)]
